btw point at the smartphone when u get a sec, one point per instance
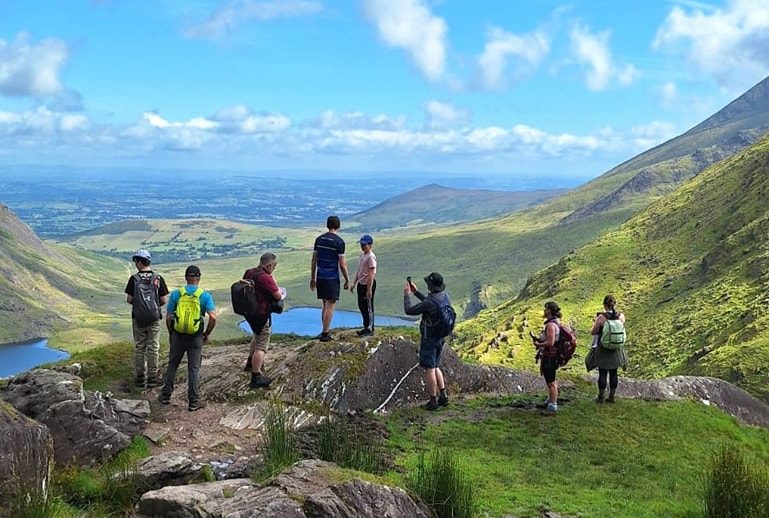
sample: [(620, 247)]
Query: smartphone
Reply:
[(408, 279)]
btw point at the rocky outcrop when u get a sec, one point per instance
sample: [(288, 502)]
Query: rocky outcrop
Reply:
[(26, 455), (310, 488), (710, 391), (167, 469), (86, 426)]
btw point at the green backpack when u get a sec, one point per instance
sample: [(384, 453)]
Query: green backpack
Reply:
[(613, 333), (188, 317)]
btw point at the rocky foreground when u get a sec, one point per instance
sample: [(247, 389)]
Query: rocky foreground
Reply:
[(49, 418)]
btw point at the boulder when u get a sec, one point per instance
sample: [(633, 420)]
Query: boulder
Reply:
[(710, 391), (310, 488), (253, 416), (167, 469), (86, 426), (26, 457)]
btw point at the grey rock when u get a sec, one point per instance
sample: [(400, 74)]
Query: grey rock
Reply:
[(26, 457), (253, 416), (360, 499), (266, 502), (167, 469), (86, 426), (189, 501)]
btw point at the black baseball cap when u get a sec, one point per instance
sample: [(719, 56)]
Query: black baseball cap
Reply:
[(192, 271)]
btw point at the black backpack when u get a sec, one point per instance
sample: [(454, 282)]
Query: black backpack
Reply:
[(243, 297), (442, 320), (146, 299)]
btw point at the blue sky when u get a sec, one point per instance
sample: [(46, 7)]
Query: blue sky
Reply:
[(525, 88)]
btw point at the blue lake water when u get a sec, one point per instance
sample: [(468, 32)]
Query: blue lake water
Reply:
[(306, 321), (22, 356)]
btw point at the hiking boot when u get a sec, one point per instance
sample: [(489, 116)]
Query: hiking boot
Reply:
[(164, 400), (259, 381), (431, 405), (139, 381), (600, 399), (248, 367), (197, 405), (610, 399), (153, 382), (550, 410), (325, 337), (365, 332), (543, 405), (443, 400)]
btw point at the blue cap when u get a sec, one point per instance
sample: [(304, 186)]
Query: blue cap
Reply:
[(366, 240)]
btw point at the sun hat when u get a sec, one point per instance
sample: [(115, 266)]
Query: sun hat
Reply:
[(435, 280)]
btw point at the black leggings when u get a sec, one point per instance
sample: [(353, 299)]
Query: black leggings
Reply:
[(613, 379), (365, 306)]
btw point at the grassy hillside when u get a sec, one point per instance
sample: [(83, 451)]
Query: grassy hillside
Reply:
[(47, 290), (691, 272), (434, 203)]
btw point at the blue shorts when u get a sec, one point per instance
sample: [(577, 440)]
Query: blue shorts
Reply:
[(430, 350), (328, 289)]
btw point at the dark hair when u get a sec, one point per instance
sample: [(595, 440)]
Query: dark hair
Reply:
[(555, 311), (610, 301), (141, 260), (333, 223)]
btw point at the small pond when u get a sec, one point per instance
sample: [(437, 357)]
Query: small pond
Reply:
[(306, 321), (22, 356)]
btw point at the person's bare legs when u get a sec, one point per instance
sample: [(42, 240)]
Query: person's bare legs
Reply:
[(257, 360), (327, 314), (431, 381), (440, 383), (552, 391)]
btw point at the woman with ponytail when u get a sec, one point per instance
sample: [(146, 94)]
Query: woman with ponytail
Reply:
[(609, 326)]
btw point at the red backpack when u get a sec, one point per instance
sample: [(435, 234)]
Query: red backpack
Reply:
[(565, 345)]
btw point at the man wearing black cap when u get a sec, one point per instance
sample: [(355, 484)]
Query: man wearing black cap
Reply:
[(146, 291), (430, 345), (187, 308)]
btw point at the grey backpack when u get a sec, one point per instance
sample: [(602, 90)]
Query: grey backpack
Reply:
[(146, 299)]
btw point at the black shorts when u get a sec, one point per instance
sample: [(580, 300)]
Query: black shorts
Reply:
[(548, 368), (327, 289), (430, 350)]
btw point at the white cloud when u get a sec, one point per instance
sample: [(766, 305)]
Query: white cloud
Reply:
[(529, 49), (240, 119), (592, 50), (41, 122), (731, 44), (73, 122), (357, 120), (225, 19), (410, 25), (440, 115), (32, 70), (669, 93), (656, 132)]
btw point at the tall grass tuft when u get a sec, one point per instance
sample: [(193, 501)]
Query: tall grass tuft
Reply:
[(350, 447), (736, 487), (279, 448), (441, 484)]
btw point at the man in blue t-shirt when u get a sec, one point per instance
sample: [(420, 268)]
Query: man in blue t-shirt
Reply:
[(187, 335), (327, 260)]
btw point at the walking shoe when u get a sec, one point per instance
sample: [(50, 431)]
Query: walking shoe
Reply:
[(610, 399), (259, 381), (551, 409), (153, 382), (139, 381), (543, 405), (443, 400), (431, 405), (248, 367), (325, 337), (197, 405), (164, 400)]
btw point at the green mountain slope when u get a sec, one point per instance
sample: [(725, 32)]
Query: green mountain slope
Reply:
[(691, 272), (46, 290), (437, 204), (501, 253)]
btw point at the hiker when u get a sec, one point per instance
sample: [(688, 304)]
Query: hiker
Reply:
[(327, 260), (609, 327), (548, 355), (430, 343), (365, 281), (146, 291), (187, 308), (265, 289)]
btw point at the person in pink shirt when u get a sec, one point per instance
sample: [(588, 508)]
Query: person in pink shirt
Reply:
[(365, 281)]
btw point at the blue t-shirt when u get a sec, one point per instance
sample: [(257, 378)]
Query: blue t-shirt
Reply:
[(328, 248), (206, 300)]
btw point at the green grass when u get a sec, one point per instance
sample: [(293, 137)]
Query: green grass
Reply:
[(736, 486), (632, 458), (279, 449), (441, 483)]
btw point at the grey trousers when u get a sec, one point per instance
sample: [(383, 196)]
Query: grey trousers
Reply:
[(146, 350), (193, 346)]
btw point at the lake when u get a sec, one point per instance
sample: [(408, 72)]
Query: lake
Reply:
[(22, 356), (306, 321)]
